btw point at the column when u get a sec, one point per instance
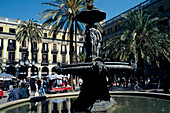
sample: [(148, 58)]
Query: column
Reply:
[(78, 50), (29, 50), (29, 72), (17, 51), (68, 56), (5, 50), (59, 52), (40, 55), (169, 22), (50, 61), (50, 69), (39, 72)]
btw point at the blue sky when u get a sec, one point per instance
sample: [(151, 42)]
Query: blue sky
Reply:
[(25, 9)]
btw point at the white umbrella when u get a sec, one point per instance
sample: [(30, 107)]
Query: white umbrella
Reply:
[(56, 77), (34, 76)]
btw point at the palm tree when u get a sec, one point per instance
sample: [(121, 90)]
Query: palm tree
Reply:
[(30, 31), (141, 40), (63, 17)]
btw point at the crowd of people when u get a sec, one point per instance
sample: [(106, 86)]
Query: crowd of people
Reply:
[(132, 81), (39, 87)]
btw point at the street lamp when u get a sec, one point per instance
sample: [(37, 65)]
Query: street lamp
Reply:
[(26, 63)]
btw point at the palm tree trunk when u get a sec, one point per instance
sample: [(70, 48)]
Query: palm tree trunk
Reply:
[(71, 43), (32, 54), (71, 50), (76, 41)]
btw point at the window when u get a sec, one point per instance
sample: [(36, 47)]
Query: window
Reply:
[(54, 47), (45, 46), (169, 23), (24, 44), (104, 43), (54, 35), (45, 57), (11, 30), (117, 27), (80, 49), (1, 29), (63, 48), (0, 53), (11, 56), (35, 45), (35, 57), (161, 9), (45, 34), (63, 58), (11, 43), (63, 37), (54, 58), (1, 42), (103, 32), (109, 30), (24, 56)]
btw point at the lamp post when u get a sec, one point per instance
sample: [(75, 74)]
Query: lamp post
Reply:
[(25, 63)]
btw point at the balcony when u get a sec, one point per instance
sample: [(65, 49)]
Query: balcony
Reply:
[(23, 49), (45, 51), (35, 49), (11, 48), (54, 51), (11, 62), (45, 63), (63, 52), (1, 47)]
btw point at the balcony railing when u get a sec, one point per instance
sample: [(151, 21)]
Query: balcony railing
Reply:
[(9, 62), (45, 51), (11, 48), (54, 51), (35, 49), (23, 49), (45, 62)]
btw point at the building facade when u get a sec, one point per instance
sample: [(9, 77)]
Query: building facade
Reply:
[(158, 7), (47, 54)]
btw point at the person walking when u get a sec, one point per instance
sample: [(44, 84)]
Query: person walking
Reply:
[(36, 89), (136, 87), (42, 91), (23, 93), (74, 84), (14, 95)]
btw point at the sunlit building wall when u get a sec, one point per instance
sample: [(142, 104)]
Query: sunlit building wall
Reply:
[(47, 54)]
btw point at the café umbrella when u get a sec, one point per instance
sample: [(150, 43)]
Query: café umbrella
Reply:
[(56, 77), (5, 75)]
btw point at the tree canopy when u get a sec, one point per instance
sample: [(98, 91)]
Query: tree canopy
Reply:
[(141, 38)]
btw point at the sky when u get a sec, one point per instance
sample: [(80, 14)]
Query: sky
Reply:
[(25, 9)]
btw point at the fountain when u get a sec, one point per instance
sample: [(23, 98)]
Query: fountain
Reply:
[(94, 95)]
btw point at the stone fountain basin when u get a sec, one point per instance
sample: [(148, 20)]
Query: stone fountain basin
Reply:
[(14, 104)]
